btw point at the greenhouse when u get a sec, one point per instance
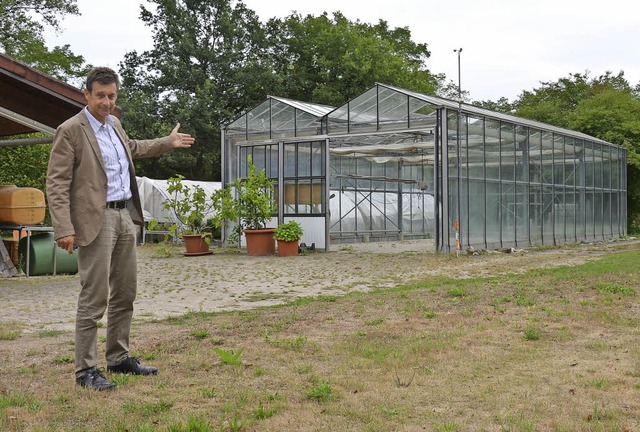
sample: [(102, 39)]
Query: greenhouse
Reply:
[(393, 164)]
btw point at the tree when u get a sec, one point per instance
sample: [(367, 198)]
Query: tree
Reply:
[(22, 24), (213, 60), (206, 67), (331, 60)]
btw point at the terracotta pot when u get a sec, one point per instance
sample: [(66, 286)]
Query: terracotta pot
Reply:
[(195, 244), (287, 247), (260, 242)]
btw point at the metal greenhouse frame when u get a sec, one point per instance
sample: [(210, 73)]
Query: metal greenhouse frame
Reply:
[(395, 164)]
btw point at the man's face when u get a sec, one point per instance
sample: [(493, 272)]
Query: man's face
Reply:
[(101, 101)]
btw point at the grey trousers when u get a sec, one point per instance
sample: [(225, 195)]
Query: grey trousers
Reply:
[(108, 278)]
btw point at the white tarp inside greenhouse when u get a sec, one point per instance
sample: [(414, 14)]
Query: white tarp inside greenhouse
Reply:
[(153, 193)]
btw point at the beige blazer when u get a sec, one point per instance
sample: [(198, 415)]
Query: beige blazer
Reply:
[(77, 179)]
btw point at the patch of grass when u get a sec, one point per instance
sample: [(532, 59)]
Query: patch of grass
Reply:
[(200, 334), (64, 359), (524, 301), (50, 333), (263, 413), (20, 399), (447, 427), (291, 343), (457, 292), (10, 331), (616, 289), (324, 364), (321, 392), (146, 409), (532, 333), (193, 424)]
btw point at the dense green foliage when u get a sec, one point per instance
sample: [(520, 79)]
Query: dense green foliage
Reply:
[(205, 68), (331, 60), (22, 24), (24, 166), (213, 60)]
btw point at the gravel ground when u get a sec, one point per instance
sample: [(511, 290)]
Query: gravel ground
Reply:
[(231, 280)]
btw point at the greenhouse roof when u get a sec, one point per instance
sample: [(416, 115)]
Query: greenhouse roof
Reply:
[(483, 112), (313, 109)]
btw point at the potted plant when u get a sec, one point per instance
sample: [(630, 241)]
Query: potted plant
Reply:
[(191, 205), (254, 205), (287, 235)]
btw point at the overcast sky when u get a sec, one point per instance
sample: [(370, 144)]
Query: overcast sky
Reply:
[(507, 45)]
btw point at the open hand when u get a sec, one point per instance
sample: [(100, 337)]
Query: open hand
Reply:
[(181, 140)]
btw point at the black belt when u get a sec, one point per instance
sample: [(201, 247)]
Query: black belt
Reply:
[(117, 204)]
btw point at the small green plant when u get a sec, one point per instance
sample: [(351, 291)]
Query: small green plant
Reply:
[(19, 399), (65, 359), (236, 424), (254, 201), (532, 333), (209, 393), (50, 333), (200, 334), (615, 289), (288, 231), (448, 427), (9, 331), (320, 393), (457, 292), (523, 301), (121, 380), (229, 357), (263, 413)]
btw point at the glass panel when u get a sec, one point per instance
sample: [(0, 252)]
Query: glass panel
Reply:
[(522, 153), (307, 124), (547, 158), (535, 156), (317, 158), (259, 122), (304, 160), (507, 152), (522, 214), (393, 109), (476, 230), (569, 161), (363, 112), (282, 120), (492, 149), (570, 216), (558, 159), (535, 213), (290, 160), (338, 120), (422, 114), (590, 214), (547, 215), (606, 167), (598, 162)]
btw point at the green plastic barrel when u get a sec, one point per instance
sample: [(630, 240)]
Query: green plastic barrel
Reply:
[(41, 250)]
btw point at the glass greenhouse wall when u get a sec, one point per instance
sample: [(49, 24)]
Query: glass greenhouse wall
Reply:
[(395, 164)]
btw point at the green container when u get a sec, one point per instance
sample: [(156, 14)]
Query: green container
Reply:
[(41, 249)]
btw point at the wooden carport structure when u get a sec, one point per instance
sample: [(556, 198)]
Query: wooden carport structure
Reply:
[(31, 101)]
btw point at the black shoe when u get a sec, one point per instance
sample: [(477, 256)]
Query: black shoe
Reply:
[(94, 379), (131, 365)]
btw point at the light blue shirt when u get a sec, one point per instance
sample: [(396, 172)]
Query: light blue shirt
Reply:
[(115, 158)]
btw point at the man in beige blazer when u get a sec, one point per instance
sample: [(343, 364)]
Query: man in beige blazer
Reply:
[(94, 203)]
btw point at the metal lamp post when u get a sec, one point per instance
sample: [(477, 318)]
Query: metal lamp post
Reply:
[(457, 221)]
